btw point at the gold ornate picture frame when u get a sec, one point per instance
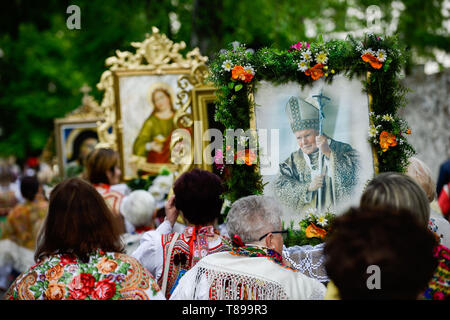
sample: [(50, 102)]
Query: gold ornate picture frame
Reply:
[(143, 132), (203, 103)]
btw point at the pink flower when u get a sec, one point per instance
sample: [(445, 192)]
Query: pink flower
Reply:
[(218, 159), (296, 46), (438, 296)]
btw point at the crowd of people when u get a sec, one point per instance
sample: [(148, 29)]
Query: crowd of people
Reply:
[(91, 237)]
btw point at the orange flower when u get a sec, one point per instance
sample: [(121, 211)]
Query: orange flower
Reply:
[(387, 140), (247, 156), (374, 62), (54, 273), (315, 232), (106, 265), (237, 72), (408, 131), (55, 291), (315, 72)]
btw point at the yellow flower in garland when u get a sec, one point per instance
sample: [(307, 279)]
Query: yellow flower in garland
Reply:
[(322, 57), (387, 140), (322, 221), (381, 55), (373, 131)]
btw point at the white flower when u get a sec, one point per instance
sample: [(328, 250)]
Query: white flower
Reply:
[(322, 221), (387, 117), (322, 57), (249, 69), (373, 131), (310, 212), (227, 65), (381, 55), (307, 55), (368, 51), (302, 66)]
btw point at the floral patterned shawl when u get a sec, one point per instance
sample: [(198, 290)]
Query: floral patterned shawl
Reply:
[(106, 276)]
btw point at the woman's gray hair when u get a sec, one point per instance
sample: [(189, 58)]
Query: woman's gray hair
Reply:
[(253, 216), (421, 173), (398, 191)]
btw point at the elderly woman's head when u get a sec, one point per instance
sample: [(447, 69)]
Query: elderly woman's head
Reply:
[(198, 196), (138, 208), (256, 219), (398, 191), (420, 172)]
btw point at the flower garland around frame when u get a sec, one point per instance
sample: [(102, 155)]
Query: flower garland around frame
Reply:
[(235, 71)]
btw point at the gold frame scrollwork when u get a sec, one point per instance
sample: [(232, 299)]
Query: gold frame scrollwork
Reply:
[(156, 55), (374, 152)]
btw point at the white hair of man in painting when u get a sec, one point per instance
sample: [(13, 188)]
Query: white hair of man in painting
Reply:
[(252, 217), (138, 208)]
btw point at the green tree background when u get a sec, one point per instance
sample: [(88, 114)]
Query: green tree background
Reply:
[(43, 64)]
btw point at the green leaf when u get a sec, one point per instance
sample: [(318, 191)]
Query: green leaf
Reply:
[(320, 38), (35, 288), (238, 87), (231, 85)]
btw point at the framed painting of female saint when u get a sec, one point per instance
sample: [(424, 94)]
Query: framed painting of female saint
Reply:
[(147, 98), (146, 108)]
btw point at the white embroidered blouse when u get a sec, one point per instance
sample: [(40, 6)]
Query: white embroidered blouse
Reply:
[(150, 250), (224, 276)]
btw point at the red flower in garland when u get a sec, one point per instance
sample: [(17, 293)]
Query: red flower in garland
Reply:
[(374, 62), (239, 73), (315, 72), (387, 140), (247, 156)]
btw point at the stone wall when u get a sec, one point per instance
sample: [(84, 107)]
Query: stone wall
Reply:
[(428, 114)]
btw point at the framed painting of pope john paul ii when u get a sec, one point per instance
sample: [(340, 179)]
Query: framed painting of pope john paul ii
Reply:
[(324, 159)]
